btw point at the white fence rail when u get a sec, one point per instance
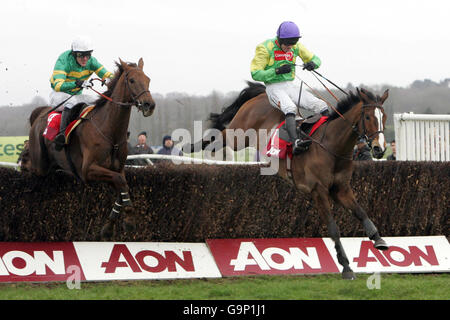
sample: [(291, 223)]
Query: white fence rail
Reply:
[(422, 137), (175, 159), (8, 164), (189, 160)]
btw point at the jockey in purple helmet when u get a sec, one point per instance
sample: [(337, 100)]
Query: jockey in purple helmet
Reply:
[(274, 64)]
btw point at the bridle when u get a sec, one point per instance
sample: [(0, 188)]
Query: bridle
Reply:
[(361, 135), (134, 97), (364, 136), (134, 102)]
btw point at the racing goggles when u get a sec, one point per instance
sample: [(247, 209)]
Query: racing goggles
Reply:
[(83, 54)]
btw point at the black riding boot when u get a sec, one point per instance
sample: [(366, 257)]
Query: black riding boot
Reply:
[(298, 143), (60, 139)]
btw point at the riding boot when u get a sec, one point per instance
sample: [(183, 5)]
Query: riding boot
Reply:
[(299, 144), (60, 139)]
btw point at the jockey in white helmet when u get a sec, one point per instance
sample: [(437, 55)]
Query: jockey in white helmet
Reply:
[(70, 76)]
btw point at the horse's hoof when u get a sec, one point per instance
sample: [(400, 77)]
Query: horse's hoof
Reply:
[(380, 244), (129, 224), (107, 231), (348, 275)]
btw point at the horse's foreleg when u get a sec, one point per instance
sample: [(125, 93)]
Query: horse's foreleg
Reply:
[(123, 202), (346, 198), (321, 198)]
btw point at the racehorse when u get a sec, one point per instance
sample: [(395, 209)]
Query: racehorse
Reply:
[(325, 170), (97, 149)]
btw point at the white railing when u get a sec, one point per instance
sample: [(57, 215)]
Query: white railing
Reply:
[(8, 164), (175, 159), (422, 137), (189, 160)]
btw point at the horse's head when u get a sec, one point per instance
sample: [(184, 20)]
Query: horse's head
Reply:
[(372, 122), (137, 84)]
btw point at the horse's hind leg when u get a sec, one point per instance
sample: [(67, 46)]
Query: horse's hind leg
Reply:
[(344, 195), (322, 200)]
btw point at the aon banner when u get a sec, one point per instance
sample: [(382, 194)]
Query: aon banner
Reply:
[(103, 261)]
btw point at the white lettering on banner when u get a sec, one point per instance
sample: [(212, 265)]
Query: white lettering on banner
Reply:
[(23, 264), (147, 260), (294, 258), (395, 256)]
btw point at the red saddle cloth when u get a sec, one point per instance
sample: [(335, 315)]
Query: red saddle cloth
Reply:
[(54, 121), (280, 148)]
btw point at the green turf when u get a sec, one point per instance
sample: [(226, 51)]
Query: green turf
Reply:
[(392, 286)]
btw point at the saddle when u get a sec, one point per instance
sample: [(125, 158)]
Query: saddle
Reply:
[(77, 114), (279, 146)]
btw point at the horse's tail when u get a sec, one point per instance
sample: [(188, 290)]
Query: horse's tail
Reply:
[(35, 114), (220, 120)]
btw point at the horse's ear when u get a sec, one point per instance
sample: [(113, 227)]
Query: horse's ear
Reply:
[(123, 64), (141, 64), (384, 96)]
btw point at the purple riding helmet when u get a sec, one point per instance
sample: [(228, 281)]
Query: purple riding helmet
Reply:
[(288, 33)]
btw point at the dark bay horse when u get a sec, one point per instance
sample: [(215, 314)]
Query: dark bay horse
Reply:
[(97, 149), (325, 170)]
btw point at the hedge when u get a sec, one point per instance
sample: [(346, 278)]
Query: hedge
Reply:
[(191, 203)]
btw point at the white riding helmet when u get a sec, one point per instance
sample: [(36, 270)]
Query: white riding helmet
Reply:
[(82, 44)]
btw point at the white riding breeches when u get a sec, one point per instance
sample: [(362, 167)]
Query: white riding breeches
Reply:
[(284, 95), (58, 97)]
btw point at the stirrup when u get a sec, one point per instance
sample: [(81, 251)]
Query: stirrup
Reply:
[(300, 146), (60, 141)]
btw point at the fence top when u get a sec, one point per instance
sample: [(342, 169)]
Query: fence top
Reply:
[(431, 117)]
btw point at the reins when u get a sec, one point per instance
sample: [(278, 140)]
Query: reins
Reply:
[(354, 127), (124, 104)]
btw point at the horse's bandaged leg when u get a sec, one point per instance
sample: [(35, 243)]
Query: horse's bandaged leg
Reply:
[(115, 211), (371, 230)]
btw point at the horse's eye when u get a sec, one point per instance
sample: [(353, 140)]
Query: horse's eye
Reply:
[(367, 118), (131, 80)]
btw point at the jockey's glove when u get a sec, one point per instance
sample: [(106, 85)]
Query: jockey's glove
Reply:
[(310, 66), (79, 83), (285, 68), (83, 84)]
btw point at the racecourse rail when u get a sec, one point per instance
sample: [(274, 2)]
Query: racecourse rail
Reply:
[(175, 159)]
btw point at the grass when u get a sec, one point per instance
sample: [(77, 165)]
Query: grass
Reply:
[(320, 287)]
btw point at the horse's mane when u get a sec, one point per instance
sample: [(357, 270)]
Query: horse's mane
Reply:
[(349, 102), (112, 84)]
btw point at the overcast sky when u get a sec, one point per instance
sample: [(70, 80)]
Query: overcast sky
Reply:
[(199, 46)]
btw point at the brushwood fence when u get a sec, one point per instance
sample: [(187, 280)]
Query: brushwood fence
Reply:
[(196, 202)]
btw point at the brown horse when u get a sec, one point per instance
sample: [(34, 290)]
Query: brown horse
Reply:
[(97, 149), (325, 169)]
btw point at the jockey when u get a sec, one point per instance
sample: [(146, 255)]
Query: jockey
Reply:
[(70, 76), (274, 64)]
